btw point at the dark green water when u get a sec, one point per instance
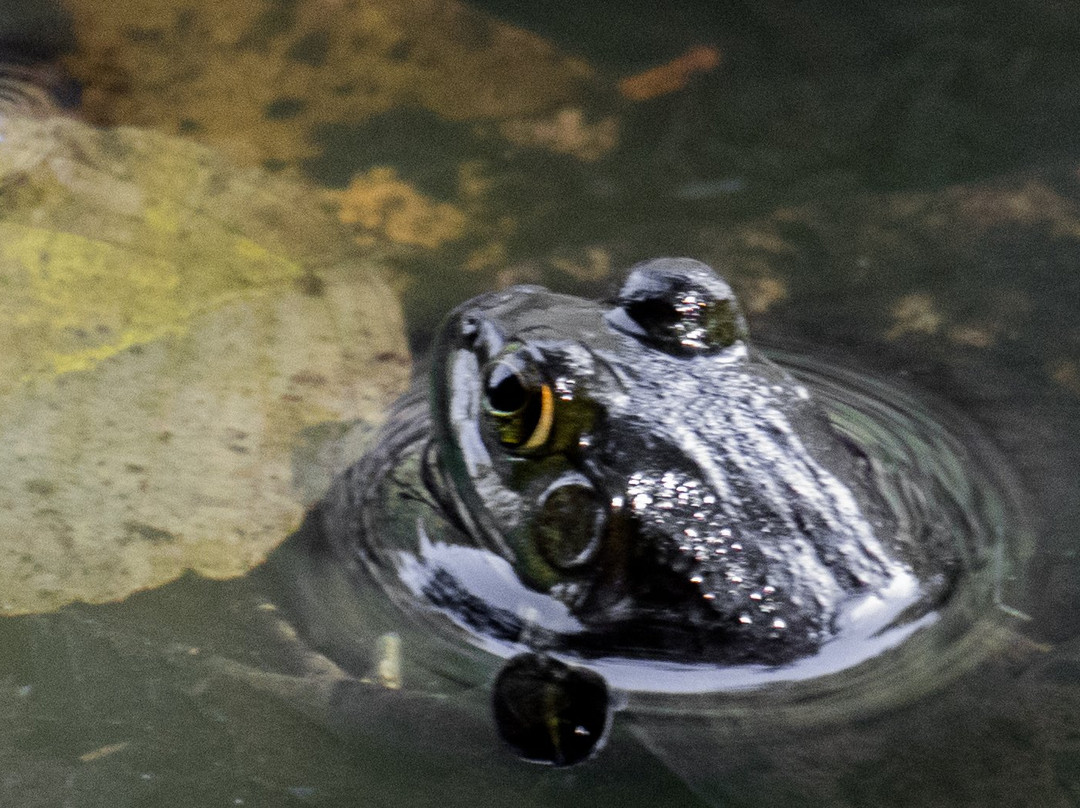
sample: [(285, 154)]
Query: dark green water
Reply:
[(913, 151)]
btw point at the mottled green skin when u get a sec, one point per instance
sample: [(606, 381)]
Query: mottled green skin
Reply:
[(705, 508)]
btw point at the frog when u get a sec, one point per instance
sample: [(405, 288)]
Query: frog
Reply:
[(623, 480), (651, 483)]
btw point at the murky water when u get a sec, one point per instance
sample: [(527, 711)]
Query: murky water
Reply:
[(894, 195)]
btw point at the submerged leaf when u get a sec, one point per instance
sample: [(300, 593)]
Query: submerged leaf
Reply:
[(263, 79)]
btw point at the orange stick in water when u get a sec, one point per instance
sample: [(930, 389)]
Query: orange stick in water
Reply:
[(670, 77)]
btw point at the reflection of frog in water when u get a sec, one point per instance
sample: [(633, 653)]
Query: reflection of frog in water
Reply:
[(657, 487)]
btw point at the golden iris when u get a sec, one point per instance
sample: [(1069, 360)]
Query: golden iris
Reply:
[(522, 405)]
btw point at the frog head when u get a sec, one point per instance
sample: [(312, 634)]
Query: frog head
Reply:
[(638, 461)]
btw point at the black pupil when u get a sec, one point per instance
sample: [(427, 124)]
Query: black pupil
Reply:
[(514, 402), (652, 314), (505, 392)]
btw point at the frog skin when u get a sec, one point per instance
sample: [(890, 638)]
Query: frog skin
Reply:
[(627, 478)]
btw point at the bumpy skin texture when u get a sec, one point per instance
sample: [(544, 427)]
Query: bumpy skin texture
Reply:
[(635, 461)]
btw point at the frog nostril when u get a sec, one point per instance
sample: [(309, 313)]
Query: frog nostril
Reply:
[(480, 334)]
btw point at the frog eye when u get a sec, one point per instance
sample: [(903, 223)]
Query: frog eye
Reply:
[(679, 306), (520, 403)]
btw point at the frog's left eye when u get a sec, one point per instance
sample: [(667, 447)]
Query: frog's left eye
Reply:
[(520, 402), (679, 306)]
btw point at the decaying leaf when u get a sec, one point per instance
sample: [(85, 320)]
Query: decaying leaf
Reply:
[(672, 76), (384, 208), (566, 132), (183, 340)]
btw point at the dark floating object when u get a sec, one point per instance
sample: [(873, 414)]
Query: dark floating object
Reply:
[(550, 712)]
